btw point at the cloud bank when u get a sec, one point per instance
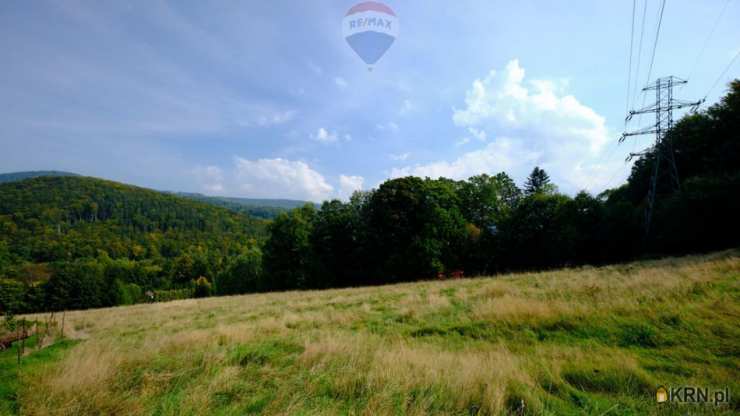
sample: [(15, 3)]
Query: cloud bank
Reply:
[(523, 123), (274, 178)]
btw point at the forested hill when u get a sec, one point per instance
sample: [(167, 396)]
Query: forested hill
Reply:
[(67, 227), (19, 176), (254, 207), (260, 208), (60, 218)]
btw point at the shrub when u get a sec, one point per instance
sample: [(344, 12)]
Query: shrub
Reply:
[(128, 293), (202, 288)]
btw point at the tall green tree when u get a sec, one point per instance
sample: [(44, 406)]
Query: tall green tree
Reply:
[(417, 227), (78, 285), (538, 182), (288, 259), (537, 234), (336, 244), (243, 274), (485, 200)]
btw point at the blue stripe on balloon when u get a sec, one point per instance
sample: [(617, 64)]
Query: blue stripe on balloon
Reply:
[(370, 45)]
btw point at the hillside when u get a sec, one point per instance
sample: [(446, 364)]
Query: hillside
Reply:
[(72, 227), (575, 341), (19, 176), (255, 207)]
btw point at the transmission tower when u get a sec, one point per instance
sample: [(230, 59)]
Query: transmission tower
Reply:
[(663, 109)]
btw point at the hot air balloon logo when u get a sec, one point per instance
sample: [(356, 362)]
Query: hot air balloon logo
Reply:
[(370, 28)]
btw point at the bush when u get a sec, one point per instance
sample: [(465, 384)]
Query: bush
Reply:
[(242, 276), (202, 288), (129, 293)]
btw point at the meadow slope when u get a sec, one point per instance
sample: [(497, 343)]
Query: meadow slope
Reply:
[(574, 341)]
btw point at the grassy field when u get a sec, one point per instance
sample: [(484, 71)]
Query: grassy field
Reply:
[(578, 341)]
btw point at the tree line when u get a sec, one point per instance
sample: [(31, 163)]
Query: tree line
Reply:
[(412, 228)]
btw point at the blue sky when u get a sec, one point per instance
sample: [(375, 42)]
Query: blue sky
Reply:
[(266, 99)]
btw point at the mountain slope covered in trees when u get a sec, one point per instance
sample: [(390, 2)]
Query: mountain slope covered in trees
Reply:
[(19, 176), (255, 207), (77, 242)]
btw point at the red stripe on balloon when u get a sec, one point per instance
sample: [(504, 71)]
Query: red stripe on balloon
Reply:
[(370, 6)]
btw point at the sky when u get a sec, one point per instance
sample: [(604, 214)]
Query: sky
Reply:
[(267, 100)]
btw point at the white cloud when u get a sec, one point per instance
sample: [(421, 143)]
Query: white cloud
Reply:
[(275, 118), (526, 123), (324, 136), (478, 133), (502, 155), (399, 156), (341, 82), (406, 107), (349, 184), (389, 126), (274, 178), (210, 179), (504, 101), (462, 141), (279, 178)]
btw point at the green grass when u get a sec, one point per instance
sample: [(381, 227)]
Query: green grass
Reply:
[(32, 364), (570, 342)]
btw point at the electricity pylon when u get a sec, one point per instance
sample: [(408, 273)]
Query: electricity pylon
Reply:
[(663, 109)]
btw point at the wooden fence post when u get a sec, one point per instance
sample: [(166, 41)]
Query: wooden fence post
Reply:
[(17, 344), (64, 313), (23, 335)]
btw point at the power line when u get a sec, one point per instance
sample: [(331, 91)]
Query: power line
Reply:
[(655, 43), (606, 156), (639, 50), (629, 70), (727, 68), (652, 58), (706, 41), (620, 169)]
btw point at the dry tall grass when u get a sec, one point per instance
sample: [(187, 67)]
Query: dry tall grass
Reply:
[(581, 340)]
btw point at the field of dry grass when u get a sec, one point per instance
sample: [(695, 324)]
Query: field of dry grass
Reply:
[(576, 341)]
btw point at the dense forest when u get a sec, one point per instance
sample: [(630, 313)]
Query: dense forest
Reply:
[(74, 242), (254, 207)]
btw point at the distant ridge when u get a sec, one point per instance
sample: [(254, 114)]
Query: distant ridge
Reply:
[(255, 207), (19, 176), (277, 202)]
